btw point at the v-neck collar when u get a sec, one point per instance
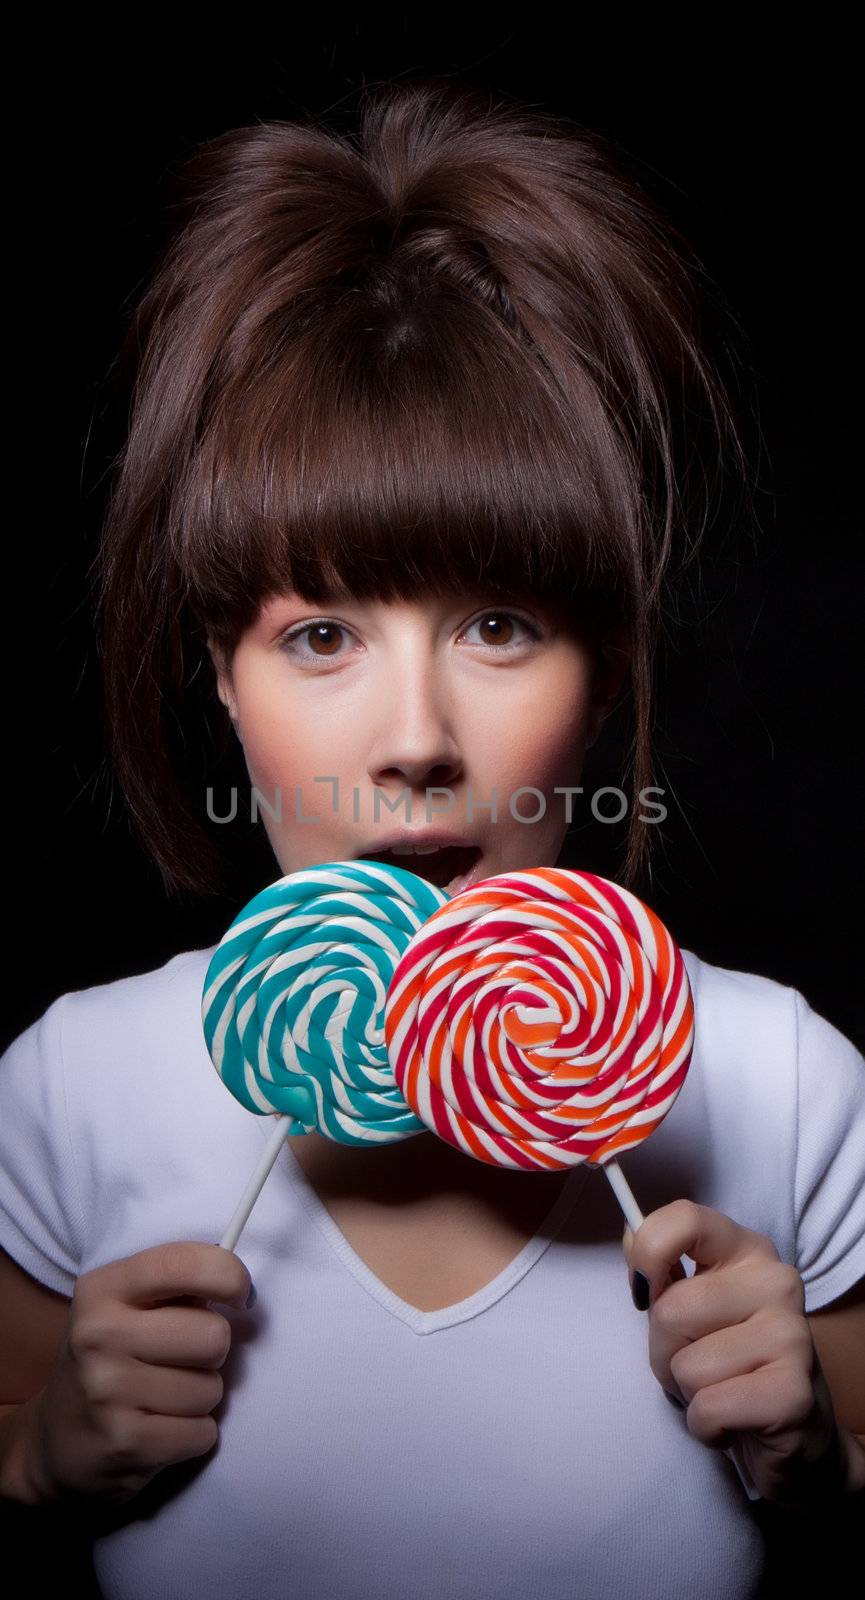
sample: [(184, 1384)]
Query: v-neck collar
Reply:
[(422, 1322)]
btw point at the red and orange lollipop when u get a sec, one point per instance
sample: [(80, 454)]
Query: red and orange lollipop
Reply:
[(540, 1019)]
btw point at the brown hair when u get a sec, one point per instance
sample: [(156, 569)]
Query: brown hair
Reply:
[(461, 344)]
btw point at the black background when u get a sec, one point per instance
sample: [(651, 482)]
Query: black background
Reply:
[(760, 716)]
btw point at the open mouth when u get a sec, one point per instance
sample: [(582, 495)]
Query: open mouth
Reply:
[(447, 868)]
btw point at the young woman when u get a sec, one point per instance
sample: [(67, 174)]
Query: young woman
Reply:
[(416, 431)]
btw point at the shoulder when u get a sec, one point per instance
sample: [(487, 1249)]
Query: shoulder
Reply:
[(765, 1058), (117, 1040), (116, 1130), (158, 1000), (742, 1017), (731, 986), (765, 1017)]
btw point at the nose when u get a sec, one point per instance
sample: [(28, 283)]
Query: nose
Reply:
[(415, 744)]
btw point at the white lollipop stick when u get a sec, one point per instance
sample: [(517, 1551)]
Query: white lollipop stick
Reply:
[(255, 1185), (624, 1194)]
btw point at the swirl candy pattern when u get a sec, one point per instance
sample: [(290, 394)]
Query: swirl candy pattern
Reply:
[(541, 1019), (294, 997)]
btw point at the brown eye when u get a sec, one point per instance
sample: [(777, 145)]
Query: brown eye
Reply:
[(497, 628), (322, 633), (314, 641)]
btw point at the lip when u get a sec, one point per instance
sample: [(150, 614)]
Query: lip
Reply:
[(433, 839), (417, 838)]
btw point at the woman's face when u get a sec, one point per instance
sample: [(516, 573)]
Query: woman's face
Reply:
[(365, 720)]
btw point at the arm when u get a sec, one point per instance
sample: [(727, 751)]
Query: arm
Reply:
[(838, 1334), (32, 1329), (16, 1428)]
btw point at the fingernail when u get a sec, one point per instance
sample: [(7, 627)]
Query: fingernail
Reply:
[(640, 1290), (674, 1402), (252, 1298)]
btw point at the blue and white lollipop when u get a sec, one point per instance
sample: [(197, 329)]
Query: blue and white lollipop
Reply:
[(294, 999)]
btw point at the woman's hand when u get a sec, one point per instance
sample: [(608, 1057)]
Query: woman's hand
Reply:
[(137, 1376), (733, 1344)]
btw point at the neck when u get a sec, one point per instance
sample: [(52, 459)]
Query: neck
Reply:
[(410, 1167)]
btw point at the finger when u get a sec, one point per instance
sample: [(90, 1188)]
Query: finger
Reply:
[(688, 1314), (169, 1271), (173, 1336), (758, 1401), (708, 1237), (171, 1441), (685, 1369), (167, 1391), (677, 1271)]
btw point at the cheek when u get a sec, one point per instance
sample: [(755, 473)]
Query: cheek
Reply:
[(282, 744), (293, 755), (542, 741), (545, 758)]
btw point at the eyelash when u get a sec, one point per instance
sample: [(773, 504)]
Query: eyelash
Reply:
[(289, 638)]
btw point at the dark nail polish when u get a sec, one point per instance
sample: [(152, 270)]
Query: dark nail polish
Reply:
[(252, 1298), (674, 1402), (640, 1291)]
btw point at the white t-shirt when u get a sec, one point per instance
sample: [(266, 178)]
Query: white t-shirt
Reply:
[(516, 1444)]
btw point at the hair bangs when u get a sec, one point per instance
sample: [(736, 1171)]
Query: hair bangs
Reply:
[(400, 448)]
